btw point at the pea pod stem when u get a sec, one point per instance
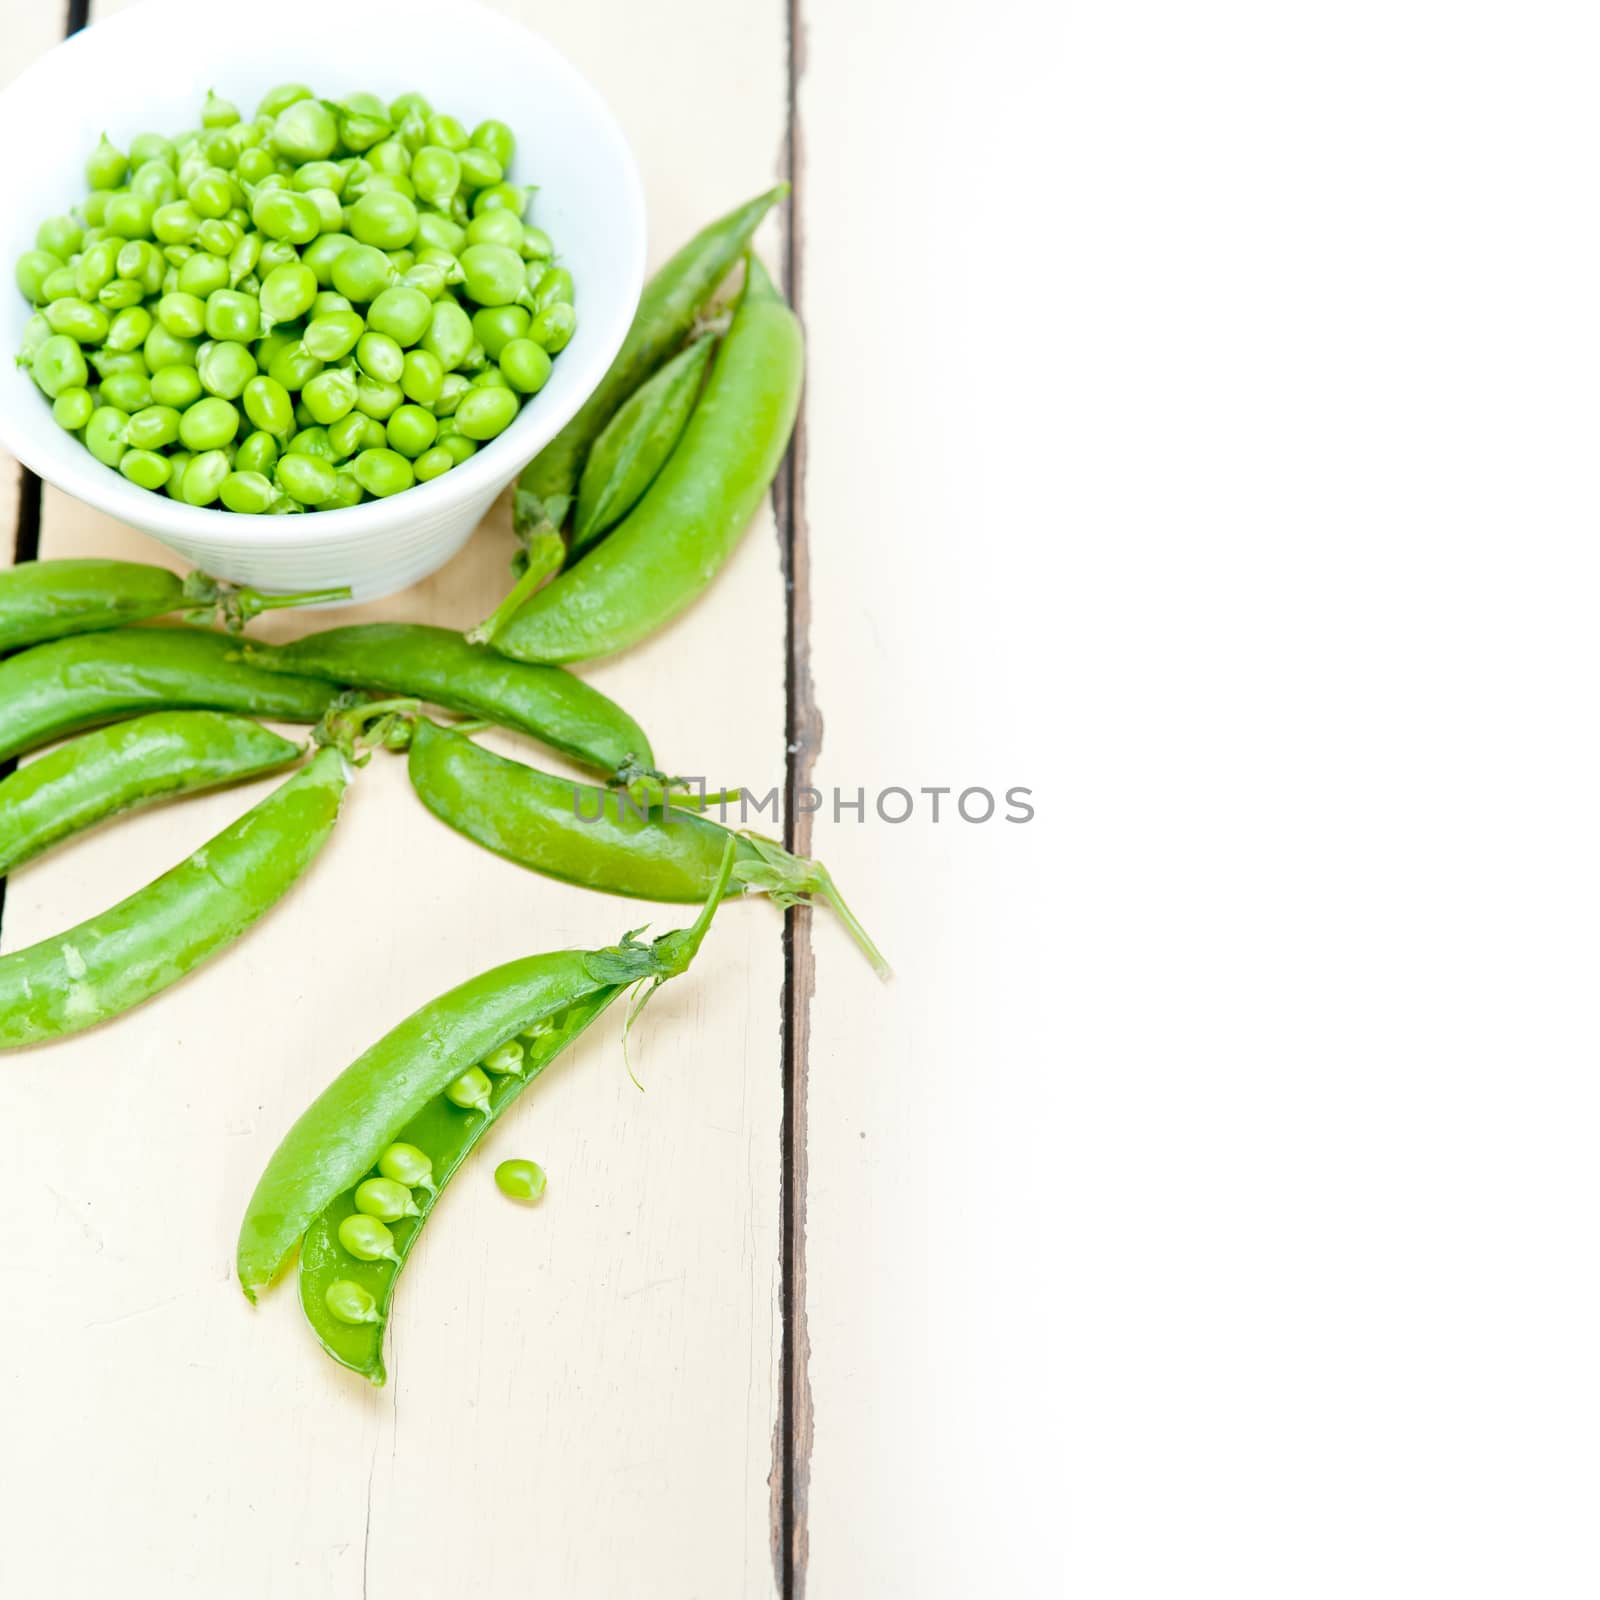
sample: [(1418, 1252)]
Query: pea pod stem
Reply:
[(233, 607), (546, 551)]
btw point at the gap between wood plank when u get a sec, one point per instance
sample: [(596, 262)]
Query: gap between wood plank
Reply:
[(803, 735)]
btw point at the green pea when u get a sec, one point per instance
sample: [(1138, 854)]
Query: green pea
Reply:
[(490, 376), (526, 366), (72, 409), (508, 1058), (307, 480), (106, 166), (120, 293), (436, 231), (330, 395), (312, 440), (285, 214), (486, 412), (445, 131), (333, 336), (449, 334), (519, 1179), (217, 112), (411, 430), (451, 390), (156, 185), (406, 1164), (93, 208), (208, 424), (305, 131), (179, 461), (380, 357), (142, 262), (277, 253), (108, 363), (178, 387), (436, 174), (327, 302), (480, 170), (128, 391), (554, 327), (495, 327), (496, 138), (367, 1239), (175, 223), (552, 286), (152, 426), (211, 194), (360, 131), (287, 293), (258, 453), (87, 323), (165, 349), (348, 434), (330, 214), (389, 157), (202, 275), (58, 364), (225, 367), (385, 220), (413, 133), (409, 104), (382, 472), (323, 252), (203, 477), (346, 492), (242, 261), (278, 100), (384, 1199), (267, 404), (232, 314), (457, 445), (129, 329), (106, 435), (145, 468), (376, 398), (494, 274), (61, 284), (34, 268), (361, 272), (501, 196), (421, 377), (470, 1091), (247, 491), (254, 165), (217, 236), (495, 227), (432, 464), (97, 266), (349, 1302), (403, 314), (129, 216)]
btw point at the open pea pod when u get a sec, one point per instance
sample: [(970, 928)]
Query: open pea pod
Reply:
[(406, 1114)]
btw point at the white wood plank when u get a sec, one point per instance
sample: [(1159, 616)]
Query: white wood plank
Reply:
[(582, 1397), (929, 464)]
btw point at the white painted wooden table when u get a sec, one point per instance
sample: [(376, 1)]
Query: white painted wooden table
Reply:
[(597, 1398)]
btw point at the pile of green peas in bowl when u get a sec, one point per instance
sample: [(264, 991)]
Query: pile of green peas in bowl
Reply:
[(324, 304)]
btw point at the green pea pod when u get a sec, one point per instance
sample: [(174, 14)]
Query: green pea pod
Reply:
[(42, 600), (439, 666), (667, 310), (114, 961), (399, 1092), (68, 684), (671, 545), (637, 442), (602, 838), (127, 766)]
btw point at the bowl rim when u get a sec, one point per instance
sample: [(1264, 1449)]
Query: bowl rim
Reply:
[(483, 473)]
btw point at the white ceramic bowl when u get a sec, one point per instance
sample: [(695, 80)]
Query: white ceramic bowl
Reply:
[(149, 68)]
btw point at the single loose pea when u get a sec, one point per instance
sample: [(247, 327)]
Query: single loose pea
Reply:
[(247, 491), (156, 184), (96, 267), (143, 262), (106, 166), (232, 314), (507, 1058), (427, 276), (330, 214), (267, 404), (87, 323), (433, 464), (480, 170), (59, 236), (179, 461), (294, 367), (165, 349), (321, 254), (59, 285), (333, 335), (242, 261), (217, 236), (435, 231), (494, 274), (436, 174), (349, 434), (405, 315), (376, 398), (177, 387), (362, 272), (305, 479), (496, 227), (327, 302), (470, 1091), (389, 158), (382, 472), (152, 147), (120, 293), (385, 1199), (211, 194), (330, 395), (108, 363), (225, 367), (486, 412), (286, 214), (287, 293), (129, 329), (348, 1302), (451, 390), (58, 364), (519, 1179), (177, 222), (129, 216), (446, 131), (409, 104), (385, 220), (72, 409), (554, 327), (411, 430), (498, 139), (278, 100), (145, 468), (367, 1239), (361, 130), (421, 377), (380, 357), (501, 196), (217, 112), (449, 335), (153, 426), (106, 435), (312, 440), (208, 425), (406, 1164), (254, 165), (457, 445), (202, 275), (203, 478), (346, 492), (258, 453), (496, 326), (552, 286), (305, 131), (128, 391)]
